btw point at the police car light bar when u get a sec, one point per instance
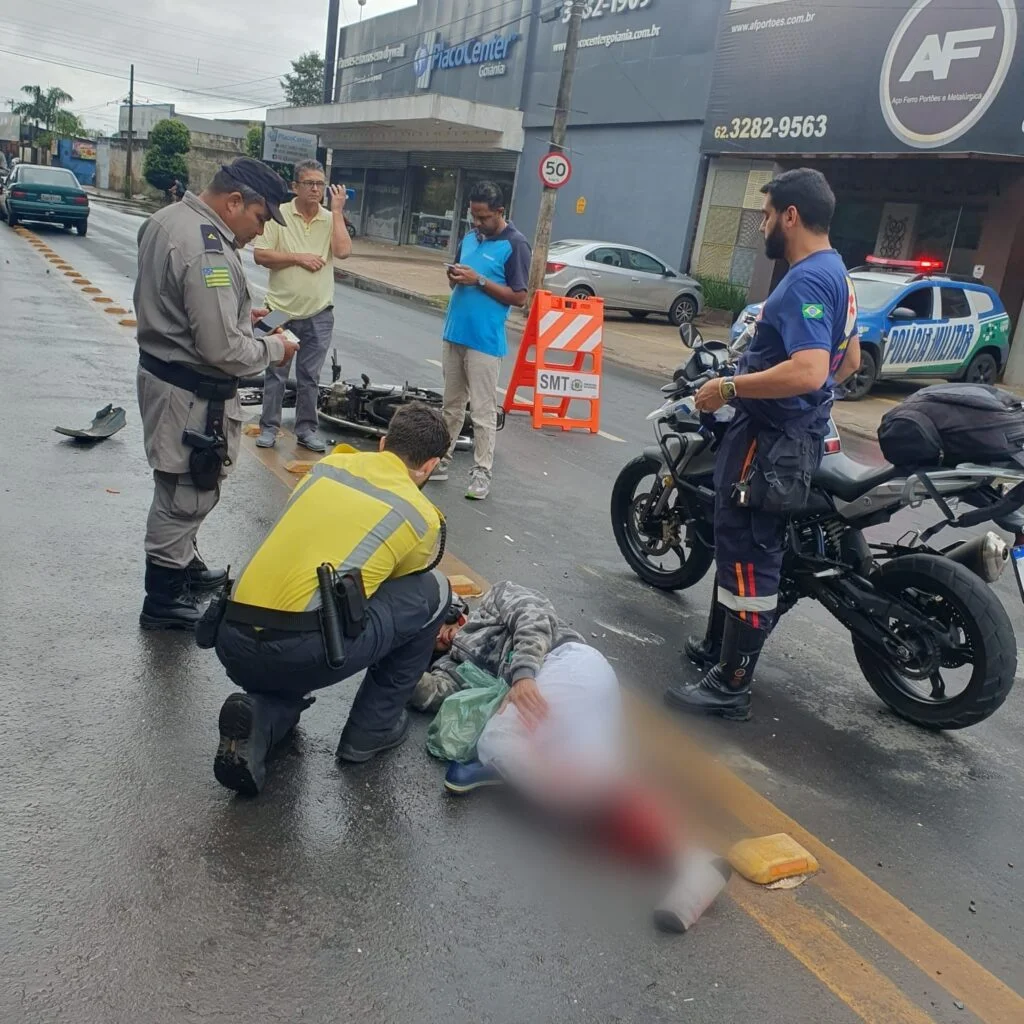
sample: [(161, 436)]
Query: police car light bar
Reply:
[(920, 265)]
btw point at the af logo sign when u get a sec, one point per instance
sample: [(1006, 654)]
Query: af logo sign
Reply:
[(944, 66)]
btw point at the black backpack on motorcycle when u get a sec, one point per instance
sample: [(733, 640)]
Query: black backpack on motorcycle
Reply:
[(946, 424)]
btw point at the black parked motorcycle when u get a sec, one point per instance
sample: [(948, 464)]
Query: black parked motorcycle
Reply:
[(931, 637)]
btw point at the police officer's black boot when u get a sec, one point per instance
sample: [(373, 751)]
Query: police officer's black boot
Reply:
[(705, 653), (169, 604), (202, 579), (725, 689), (251, 725)]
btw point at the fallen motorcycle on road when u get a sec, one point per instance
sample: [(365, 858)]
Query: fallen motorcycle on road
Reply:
[(360, 406), (931, 637)]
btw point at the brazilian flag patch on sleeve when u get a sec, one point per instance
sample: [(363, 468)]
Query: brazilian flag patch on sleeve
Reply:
[(813, 311), (217, 277)]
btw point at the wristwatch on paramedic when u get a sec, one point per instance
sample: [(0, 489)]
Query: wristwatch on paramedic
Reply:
[(727, 388), (481, 281)]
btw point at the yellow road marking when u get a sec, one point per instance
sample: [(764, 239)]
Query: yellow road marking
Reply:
[(964, 978), (863, 988)]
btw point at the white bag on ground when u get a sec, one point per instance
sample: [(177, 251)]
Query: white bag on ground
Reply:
[(577, 748)]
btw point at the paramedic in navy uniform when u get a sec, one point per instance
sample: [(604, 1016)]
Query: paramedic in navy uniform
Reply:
[(804, 344)]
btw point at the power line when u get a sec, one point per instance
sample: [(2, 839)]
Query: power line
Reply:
[(159, 28), (121, 75), (175, 69)]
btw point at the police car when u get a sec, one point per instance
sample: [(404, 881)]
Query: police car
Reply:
[(916, 321)]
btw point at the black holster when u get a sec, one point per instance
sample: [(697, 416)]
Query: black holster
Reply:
[(209, 625), (209, 453), (351, 601)]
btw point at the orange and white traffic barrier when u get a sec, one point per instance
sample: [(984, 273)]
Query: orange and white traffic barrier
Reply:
[(559, 328)]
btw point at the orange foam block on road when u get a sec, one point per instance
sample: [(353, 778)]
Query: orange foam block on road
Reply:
[(768, 859), (464, 586)]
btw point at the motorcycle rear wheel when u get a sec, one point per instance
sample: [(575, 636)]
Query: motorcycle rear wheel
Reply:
[(638, 549), (958, 599)]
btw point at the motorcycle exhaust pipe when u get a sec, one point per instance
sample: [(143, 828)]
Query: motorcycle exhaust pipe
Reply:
[(986, 556)]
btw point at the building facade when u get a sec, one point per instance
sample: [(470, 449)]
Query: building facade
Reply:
[(431, 99), (911, 110)]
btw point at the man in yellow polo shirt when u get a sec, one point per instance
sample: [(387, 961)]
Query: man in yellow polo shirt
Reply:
[(362, 511), (300, 256)]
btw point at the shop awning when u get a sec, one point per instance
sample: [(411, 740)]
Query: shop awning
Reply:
[(427, 122)]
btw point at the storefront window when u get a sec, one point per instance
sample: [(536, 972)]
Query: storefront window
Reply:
[(383, 212), (855, 229), (950, 233), (433, 207), (351, 177)]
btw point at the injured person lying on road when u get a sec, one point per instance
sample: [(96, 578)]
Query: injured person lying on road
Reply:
[(556, 738)]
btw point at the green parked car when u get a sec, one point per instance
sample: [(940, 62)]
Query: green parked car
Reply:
[(50, 194)]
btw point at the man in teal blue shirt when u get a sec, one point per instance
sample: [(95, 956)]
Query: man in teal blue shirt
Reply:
[(489, 277)]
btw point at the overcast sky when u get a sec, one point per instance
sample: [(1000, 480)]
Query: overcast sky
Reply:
[(214, 59)]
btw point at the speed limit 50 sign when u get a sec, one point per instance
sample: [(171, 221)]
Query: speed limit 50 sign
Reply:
[(555, 170)]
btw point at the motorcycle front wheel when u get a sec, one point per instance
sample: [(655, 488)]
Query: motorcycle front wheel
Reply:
[(667, 553), (958, 688)]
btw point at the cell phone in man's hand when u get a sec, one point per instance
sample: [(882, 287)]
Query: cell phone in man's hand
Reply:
[(271, 322)]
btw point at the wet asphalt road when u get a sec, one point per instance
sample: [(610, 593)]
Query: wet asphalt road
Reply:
[(138, 890)]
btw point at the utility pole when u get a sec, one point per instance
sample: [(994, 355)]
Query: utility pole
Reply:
[(131, 122), (546, 214), (330, 66)]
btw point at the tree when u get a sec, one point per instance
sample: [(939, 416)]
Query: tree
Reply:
[(43, 108), (304, 87), (169, 141), (254, 141), (68, 125)]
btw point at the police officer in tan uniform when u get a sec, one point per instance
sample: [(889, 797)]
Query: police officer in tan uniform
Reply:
[(196, 339)]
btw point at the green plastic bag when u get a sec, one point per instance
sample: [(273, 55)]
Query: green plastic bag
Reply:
[(453, 733)]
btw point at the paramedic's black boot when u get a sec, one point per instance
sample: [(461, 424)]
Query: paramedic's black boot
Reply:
[(202, 579), (357, 746), (251, 726), (169, 604), (706, 653), (725, 689)]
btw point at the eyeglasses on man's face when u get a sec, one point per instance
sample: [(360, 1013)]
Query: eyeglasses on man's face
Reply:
[(311, 185)]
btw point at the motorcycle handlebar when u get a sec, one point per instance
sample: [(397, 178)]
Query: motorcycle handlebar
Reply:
[(683, 389)]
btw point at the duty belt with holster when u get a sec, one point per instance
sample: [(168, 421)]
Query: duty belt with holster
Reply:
[(209, 453), (341, 615)]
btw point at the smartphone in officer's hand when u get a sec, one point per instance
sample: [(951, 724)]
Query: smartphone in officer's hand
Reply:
[(270, 323)]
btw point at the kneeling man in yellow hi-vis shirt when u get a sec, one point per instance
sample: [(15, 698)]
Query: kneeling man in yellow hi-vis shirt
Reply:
[(360, 520)]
